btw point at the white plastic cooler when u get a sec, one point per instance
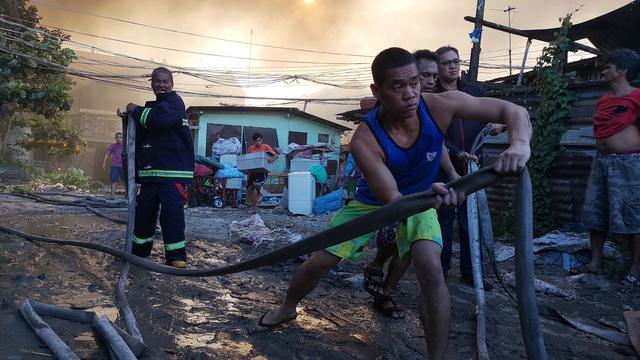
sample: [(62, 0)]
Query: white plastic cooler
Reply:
[(303, 164), (254, 162), (302, 192)]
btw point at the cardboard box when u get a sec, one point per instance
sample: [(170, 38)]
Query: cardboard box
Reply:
[(254, 162)]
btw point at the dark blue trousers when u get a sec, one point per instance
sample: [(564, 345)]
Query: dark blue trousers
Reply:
[(165, 198), (446, 217)]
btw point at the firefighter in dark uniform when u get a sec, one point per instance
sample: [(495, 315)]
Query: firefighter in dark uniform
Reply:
[(164, 164)]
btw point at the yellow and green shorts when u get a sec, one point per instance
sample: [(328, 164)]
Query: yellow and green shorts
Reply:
[(421, 226)]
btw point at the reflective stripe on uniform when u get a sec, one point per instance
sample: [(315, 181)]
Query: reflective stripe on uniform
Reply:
[(165, 173), (143, 117), (174, 246), (185, 122), (142, 241)]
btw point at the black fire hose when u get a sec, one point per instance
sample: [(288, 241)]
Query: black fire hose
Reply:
[(400, 209), (525, 279)]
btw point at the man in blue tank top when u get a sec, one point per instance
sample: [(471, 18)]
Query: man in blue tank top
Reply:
[(398, 148), (374, 280)]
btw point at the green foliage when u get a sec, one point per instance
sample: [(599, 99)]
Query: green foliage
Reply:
[(70, 177), (504, 224), (51, 135), (20, 189), (548, 125), (20, 170), (551, 85), (37, 175), (32, 76)]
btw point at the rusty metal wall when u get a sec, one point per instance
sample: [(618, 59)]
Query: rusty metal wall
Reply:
[(568, 180), (568, 183)]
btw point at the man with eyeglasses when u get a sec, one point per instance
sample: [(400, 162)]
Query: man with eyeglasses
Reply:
[(460, 137)]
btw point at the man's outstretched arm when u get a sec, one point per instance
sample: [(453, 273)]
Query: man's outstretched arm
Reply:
[(458, 104)]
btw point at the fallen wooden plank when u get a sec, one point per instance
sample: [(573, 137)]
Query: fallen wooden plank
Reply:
[(615, 337)]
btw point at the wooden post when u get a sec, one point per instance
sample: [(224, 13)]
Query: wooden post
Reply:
[(475, 50), (524, 61)]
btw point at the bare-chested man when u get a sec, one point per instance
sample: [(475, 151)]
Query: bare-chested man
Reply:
[(612, 201)]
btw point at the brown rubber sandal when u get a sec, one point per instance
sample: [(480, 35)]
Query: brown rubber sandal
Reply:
[(388, 307), (373, 280), (262, 327)]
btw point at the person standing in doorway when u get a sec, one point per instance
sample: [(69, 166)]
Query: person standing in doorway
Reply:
[(257, 179)]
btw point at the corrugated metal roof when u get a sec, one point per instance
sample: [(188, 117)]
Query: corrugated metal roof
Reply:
[(251, 109)]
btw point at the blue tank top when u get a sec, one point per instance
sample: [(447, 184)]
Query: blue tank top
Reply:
[(414, 168)]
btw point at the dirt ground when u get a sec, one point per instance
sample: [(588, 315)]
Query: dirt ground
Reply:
[(208, 318)]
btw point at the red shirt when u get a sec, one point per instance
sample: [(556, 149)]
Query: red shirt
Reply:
[(262, 147), (614, 114)]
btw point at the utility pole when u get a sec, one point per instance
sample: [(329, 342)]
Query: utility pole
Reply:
[(476, 37), (248, 79), (508, 10), (250, 53)]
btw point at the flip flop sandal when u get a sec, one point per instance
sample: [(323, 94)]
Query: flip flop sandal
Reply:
[(261, 326), (373, 280), (631, 280), (388, 307)]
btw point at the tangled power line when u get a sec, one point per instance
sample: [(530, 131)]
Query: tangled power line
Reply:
[(131, 72)]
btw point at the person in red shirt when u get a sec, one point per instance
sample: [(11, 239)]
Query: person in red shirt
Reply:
[(256, 180), (612, 199)]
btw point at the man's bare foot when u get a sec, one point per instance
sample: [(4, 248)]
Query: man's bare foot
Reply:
[(273, 319)]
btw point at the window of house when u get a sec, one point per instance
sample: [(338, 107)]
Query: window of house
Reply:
[(323, 138), (269, 137), (226, 131), (297, 137)]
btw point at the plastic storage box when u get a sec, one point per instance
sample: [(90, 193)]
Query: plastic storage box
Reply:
[(303, 164), (301, 192), (333, 201), (234, 183), (254, 162), (229, 159)]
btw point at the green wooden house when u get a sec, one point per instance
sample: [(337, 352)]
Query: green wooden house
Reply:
[(279, 126)]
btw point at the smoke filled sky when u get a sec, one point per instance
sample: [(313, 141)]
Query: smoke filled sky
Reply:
[(342, 26)]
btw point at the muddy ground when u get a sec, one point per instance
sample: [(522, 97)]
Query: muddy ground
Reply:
[(208, 318)]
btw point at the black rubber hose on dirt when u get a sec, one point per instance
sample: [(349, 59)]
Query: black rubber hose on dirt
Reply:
[(129, 152), (400, 209), (80, 203), (525, 279)]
